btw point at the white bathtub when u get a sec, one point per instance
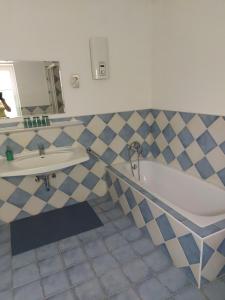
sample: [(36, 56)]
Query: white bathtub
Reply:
[(200, 202)]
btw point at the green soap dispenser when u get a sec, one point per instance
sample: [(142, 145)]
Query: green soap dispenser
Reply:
[(9, 154)]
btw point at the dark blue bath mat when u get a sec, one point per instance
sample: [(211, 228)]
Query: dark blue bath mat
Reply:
[(52, 226)]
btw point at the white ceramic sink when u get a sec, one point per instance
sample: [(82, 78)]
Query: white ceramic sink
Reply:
[(32, 163)]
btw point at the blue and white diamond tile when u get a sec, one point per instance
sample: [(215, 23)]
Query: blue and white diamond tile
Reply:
[(206, 142), (130, 198), (68, 186), (63, 140), (169, 133), (185, 137), (107, 135), (145, 211), (213, 261), (126, 132)]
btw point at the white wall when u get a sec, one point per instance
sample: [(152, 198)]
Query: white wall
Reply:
[(31, 83), (188, 62), (60, 30)]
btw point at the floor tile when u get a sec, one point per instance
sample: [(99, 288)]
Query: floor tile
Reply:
[(47, 251), (107, 230), (190, 293), (136, 271), (68, 295), (4, 234), (123, 223), (73, 256), (24, 292), (55, 283), (115, 241), (69, 243), (104, 263), (132, 234), (88, 236), (143, 246), (105, 206), (23, 259), (157, 260), (174, 279), (90, 290), (124, 254), (114, 282), (114, 214), (95, 248), (5, 248), (5, 280), (25, 275), (6, 295), (50, 265), (154, 289), (5, 262), (146, 271), (215, 290), (80, 273), (127, 295)]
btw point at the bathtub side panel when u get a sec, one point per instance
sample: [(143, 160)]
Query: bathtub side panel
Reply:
[(183, 246), (213, 258)]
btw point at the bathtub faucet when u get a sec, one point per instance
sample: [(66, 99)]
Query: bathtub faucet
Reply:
[(136, 147)]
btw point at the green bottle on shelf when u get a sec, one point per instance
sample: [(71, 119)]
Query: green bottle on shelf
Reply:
[(9, 154)]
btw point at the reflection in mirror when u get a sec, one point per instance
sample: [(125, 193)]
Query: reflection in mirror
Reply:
[(30, 88)]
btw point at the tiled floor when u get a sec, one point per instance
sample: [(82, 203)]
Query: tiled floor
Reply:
[(116, 262)]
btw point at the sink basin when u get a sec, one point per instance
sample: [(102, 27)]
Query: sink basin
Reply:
[(34, 164)]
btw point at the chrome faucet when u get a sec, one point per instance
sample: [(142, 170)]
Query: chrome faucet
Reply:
[(136, 147), (41, 149)]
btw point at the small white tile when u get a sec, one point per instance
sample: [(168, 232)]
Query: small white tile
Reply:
[(34, 205), (116, 123), (161, 120), (81, 193), (79, 173), (177, 123), (117, 144), (196, 272), (196, 126), (58, 199), (177, 253), (217, 130), (124, 205), (139, 221), (155, 233), (135, 121), (216, 159), (6, 189), (96, 125), (100, 188), (214, 266), (29, 184), (8, 212), (59, 179), (113, 193)]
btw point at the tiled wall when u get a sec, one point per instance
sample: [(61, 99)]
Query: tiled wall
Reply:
[(194, 143), (190, 142), (107, 134)]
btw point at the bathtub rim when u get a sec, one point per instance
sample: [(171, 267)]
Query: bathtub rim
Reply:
[(202, 232)]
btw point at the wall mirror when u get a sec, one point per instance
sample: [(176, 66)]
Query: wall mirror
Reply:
[(30, 88)]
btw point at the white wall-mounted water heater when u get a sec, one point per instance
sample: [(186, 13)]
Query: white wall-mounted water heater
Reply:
[(99, 57)]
